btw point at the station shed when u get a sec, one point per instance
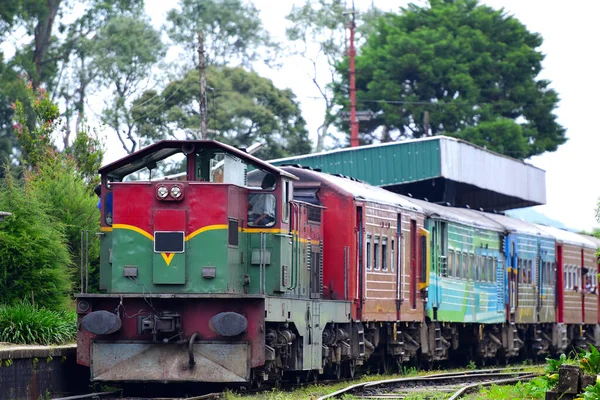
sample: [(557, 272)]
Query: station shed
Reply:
[(441, 169), (4, 214)]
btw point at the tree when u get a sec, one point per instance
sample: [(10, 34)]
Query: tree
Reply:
[(470, 68), (245, 108), (129, 48), (318, 32), (233, 31)]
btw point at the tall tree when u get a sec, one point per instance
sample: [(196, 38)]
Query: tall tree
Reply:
[(318, 35), (233, 31), (471, 68), (245, 108), (128, 47)]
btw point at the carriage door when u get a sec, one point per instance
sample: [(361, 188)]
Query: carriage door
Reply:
[(398, 262), (512, 278), (539, 279), (560, 287), (361, 268), (413, 264)]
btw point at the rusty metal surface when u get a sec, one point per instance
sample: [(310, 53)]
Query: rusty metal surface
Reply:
[(215, 362)]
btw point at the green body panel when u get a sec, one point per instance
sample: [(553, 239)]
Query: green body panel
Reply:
[(278, 257), (284, 269), (171, 273), (131, 248), (379, 165), (309, 317), (105, 267)]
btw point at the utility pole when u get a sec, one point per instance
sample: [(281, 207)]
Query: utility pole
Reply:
[(202, 71), (353, 120)]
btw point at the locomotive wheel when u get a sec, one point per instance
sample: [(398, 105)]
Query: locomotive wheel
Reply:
[(349, 369)]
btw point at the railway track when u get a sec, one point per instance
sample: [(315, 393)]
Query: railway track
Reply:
[(455, 384)]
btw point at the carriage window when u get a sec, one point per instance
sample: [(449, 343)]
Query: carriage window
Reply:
[(392, 255), (467, 269), (368, 251), (492, 269), (578, 277), (566, 278), (520, 270), (384, 246), (376, 253), (450, 271), (472, 261)]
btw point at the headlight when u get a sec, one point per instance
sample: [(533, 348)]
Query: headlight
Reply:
[(162, 192), (176, 191)]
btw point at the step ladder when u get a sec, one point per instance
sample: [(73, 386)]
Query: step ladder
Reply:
[(438, 338), (361, 341)]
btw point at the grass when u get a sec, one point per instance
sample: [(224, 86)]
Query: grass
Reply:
[(23, 323)]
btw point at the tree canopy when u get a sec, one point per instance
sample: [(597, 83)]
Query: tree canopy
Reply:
[(457, 68), (245, 108)]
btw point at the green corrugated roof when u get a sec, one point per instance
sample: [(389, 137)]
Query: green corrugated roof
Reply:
[(379, 165)]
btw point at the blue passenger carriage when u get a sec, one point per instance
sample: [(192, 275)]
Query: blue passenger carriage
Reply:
[(466, 285)]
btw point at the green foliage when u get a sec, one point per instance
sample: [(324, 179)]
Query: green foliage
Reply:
[(246, 108), (592, 392), (470, 68), (518, 391), (589, 360), (35, 259), (63, 181), (233, 31), (87, 153), (35, 136), (23, 323)]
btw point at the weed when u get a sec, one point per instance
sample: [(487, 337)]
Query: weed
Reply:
[(24, 323), (472, 366)]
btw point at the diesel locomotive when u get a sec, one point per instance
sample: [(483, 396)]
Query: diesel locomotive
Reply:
[(238, 271)]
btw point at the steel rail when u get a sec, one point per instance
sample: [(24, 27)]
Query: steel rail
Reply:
[(446, 375), (92, 396)]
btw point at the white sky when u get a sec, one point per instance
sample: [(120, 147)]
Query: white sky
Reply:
[(570, 31)]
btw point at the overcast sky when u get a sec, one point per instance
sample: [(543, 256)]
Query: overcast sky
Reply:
[(570, 31)]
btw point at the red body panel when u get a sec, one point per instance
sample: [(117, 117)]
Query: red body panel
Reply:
[(195, 316)]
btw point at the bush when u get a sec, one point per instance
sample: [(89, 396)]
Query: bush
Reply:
[(24, 323), (34, 258)]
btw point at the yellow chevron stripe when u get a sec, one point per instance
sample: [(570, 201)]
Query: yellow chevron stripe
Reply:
[(135, 229), (204, 229), (167, 258)]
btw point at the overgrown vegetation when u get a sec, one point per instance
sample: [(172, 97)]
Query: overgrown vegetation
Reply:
[(588, 360), (51, 199), (34, 260), (23, 323)]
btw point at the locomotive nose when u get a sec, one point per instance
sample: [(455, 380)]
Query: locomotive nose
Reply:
[(101, 322)]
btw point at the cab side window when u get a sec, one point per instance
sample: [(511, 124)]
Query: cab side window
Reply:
[(262, 207)]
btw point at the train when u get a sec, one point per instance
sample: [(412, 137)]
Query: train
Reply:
[(241, 272)]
